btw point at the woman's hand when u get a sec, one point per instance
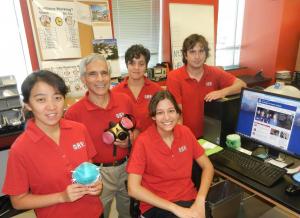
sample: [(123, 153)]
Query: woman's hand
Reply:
[(74, 192), (95, 188), (184, 212), (199, 209)]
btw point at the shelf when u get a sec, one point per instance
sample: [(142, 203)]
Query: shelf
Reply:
[(10, 108), (12, 96), (11, 115), (8, 85)]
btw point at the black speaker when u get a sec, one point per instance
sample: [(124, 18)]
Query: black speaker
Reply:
[(297, 79), (220, 118)]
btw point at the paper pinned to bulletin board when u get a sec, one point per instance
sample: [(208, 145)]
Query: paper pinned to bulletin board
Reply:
[(86, 14), (109, 49), (57, 29), (186, 19), (69, 71), (91, 20), (62, 59)]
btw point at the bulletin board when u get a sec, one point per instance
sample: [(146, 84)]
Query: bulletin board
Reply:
[(65, 31), (186, 19)]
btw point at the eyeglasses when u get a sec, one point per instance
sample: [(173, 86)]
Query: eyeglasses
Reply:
[(95, 74)]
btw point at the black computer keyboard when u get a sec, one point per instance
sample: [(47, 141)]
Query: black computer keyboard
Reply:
[(249, 166)]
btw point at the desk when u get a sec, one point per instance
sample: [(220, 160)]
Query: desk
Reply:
[(275, 194), (257, 80), (6, 209), (6, 140)]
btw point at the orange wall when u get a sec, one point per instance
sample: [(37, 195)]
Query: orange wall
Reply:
[(289, 36), (271, 35), (166, 37), (261, 35)]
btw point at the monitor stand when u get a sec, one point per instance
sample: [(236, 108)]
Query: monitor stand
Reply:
[(278, 159), (249, 144), (272, 156)]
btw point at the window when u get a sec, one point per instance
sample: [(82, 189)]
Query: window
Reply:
[(137, 22), (229, 35), (14, 56)]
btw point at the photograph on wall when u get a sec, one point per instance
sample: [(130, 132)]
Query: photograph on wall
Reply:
[(101, 21), (100, 12), (57, 29), (109, 49), (106, 47)]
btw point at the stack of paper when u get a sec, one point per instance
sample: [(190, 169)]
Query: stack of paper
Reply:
[(209, 147)]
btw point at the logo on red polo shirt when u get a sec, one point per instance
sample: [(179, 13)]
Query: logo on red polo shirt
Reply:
[(120, 115), (208, 84), (78, 145), (147, 96), (182, 148)]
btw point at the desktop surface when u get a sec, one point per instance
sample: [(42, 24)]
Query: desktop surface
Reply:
[(275, 193), (273, 121)]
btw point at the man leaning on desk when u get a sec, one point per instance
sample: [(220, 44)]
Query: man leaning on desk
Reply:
[(197, 82)]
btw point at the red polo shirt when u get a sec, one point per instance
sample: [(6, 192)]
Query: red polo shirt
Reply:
[(140, 109), (96, 120), (39, 165), (165, 172), (190, 93)]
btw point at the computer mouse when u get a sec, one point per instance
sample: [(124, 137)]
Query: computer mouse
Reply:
[(296, 177), (293, 189)]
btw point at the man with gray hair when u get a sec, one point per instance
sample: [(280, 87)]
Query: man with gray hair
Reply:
[(97, 109)]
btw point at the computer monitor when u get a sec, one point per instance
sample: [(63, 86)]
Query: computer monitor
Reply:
[(270, 120)]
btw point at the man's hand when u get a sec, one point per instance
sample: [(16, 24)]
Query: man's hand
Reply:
[(125, 142), (122, 144), (214, 95)]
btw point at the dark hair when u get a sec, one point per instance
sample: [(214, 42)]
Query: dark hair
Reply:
[(135, 51), (46, 76), (159, 96), (190, 42)]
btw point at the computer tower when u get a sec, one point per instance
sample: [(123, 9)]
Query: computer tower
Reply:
[(220, 118)]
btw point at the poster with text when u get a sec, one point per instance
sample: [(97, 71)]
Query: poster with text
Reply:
[(57, 29), (69, 71)]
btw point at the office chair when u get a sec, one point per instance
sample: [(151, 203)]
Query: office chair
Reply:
[(136, 213), (134, 207)]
